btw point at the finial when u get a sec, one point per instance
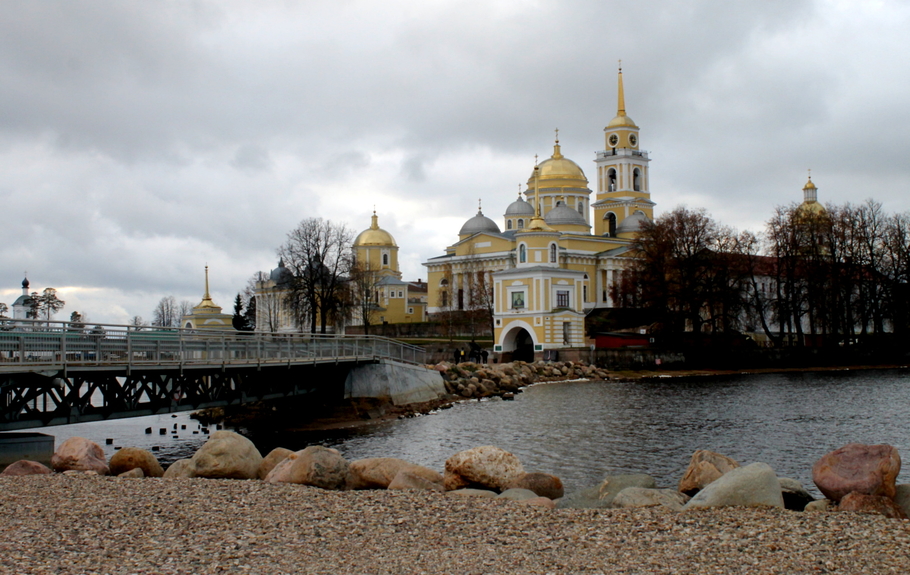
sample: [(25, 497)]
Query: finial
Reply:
[(519, 190), (557, 135), (479, 209), (620, 66), (535, 160), (810, 174)]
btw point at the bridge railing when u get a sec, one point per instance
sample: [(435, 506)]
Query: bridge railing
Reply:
[(35, 343)]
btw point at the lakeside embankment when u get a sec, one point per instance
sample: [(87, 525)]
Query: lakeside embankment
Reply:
[(83, 524)]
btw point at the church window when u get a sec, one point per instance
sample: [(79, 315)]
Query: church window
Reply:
[(562, 298), (636, 180), (581, 207), (552, 253), (611, 180), (566, 332), (400, 294), (461, 299), (509, 224), (522, 254), (584, 293), (611, 224), (521, 224), (385, 259), (444, 299)]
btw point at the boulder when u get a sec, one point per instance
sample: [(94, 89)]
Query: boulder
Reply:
[(643, 497), (80, 454), (876, 504), (795, 495), (543, 484), (134, 458), (406, 480), (539, 502), (315, 466), (25, 467), (485, 467), (469, 492), (269, 462), (181, 469), (227, 455), (869, 469), (819, 505), (517, 494), (134, 473), (378, 472), (704, 467), (902, 498), (601, 497), (752, 485)]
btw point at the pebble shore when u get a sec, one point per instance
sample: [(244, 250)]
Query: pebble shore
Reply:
[(82, 524)]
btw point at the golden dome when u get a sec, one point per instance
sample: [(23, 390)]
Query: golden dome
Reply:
[(558, 167), (621, 121), (809, 185), (375, 236)]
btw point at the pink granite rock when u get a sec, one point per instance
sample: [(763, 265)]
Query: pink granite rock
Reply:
[(130, 458), (704, 468), (407, 480), (378, 472), (868, 469), (227, 455), (877, 504), (543, 484), (25, 467), (269, 462), (316, 466), (80, 454), (485, 467)]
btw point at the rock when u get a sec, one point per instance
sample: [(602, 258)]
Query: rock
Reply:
[(869, 469), (876, 504), (269, 462), (469, 492), (181, 469), (795, 495), (378, 472), (819, 505), (539, 502), (227, 455), (704, 467), (406, 480), (315, 466), (752, 485), (25, 467), (134, 473), (486, 467), (80, 454), (902, 498), (542, 484), (517, 494), (643, 497), (601, 497), (134, 458)]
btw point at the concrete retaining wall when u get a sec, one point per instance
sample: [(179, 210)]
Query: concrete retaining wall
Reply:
[(399, 382)]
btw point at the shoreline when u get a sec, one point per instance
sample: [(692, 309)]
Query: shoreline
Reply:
[(354, 418), (83, 524)]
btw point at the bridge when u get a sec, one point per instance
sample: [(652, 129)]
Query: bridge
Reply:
[(54, 373)]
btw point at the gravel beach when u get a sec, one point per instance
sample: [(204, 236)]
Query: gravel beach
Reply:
[(82, 524)]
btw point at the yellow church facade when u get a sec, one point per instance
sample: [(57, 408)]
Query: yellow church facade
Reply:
[(562, 249)]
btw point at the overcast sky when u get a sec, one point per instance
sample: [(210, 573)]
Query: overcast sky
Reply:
[(140, 141)]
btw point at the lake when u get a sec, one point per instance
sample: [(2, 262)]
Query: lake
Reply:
[(584, 430)]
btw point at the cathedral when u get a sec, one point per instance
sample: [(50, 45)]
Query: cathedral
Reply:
[(562, 249)]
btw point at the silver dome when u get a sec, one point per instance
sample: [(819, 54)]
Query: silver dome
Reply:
[(520, 208), (477, 224), (564, 215), (632, 223)]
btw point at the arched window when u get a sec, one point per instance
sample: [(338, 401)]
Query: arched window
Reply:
[(611, 224), (509, 224), (521, 224), (581, 207), (385, 259), (611, 180), (636, 180), (552, 253), (522, 253)]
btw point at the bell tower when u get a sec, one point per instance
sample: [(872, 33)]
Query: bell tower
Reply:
[(622, 176)]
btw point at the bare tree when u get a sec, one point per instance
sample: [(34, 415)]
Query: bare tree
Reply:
[(185, 307), (166, 313), (317, 252), (364, 293)]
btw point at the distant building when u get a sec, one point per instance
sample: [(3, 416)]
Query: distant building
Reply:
[(22, 307), (207, 315)]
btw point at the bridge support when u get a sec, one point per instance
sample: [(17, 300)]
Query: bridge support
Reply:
[(400, 382)]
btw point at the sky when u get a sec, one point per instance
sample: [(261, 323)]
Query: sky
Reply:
[(142, 141)]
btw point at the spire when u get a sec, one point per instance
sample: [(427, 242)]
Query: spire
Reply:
[(375, 223), (621, 100), (207, 296), (557, 151)]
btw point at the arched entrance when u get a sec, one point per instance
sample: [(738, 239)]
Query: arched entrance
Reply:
[(518, 345)]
